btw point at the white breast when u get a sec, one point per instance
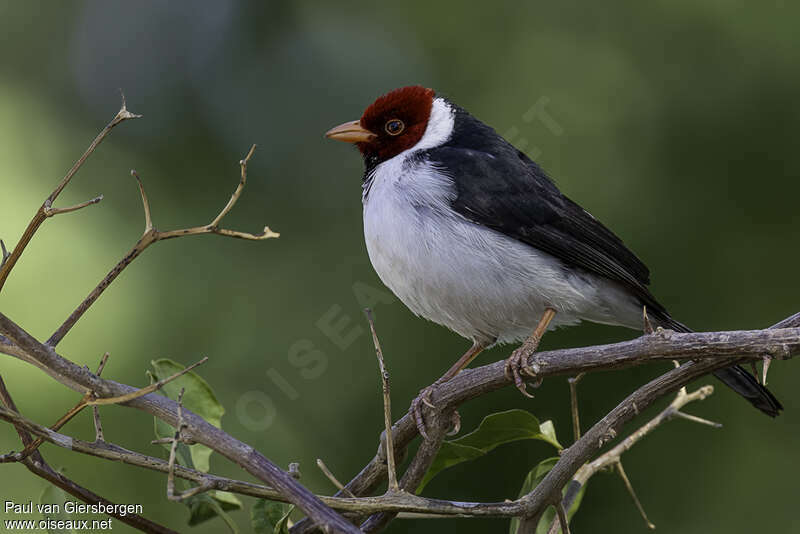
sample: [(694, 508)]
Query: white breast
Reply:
[(476, 281)]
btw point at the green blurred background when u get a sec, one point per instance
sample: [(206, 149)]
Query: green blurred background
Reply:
[(673, 122)]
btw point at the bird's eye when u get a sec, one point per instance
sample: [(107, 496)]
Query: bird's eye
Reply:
[(394, 127)]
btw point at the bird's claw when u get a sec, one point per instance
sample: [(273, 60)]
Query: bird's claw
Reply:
[(516, 366), (424, 398), (456, 424), (416, 409)]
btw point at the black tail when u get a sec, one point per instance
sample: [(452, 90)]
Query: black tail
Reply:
[(736, 378)]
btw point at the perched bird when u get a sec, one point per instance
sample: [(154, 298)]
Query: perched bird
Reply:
[(471, 234)]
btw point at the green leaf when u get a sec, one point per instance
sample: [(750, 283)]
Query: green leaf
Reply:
[(495, 429), (270, 517), (198, 397), (53, 498), (535, 476), (213, 504)]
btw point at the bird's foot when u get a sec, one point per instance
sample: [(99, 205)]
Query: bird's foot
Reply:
[(517, 366), (417, 411)]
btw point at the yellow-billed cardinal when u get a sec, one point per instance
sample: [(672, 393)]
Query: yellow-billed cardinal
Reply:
[(471, 234)]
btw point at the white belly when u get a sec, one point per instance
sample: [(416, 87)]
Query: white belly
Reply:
[(476, 281)]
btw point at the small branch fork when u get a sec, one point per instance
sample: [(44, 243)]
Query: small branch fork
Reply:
[(152, 235), (47, 210), (613, 457), (91, 399)]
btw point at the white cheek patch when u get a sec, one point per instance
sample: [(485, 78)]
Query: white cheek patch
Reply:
[(439, 129)]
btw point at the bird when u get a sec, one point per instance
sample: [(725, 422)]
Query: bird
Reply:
[(470, 233)]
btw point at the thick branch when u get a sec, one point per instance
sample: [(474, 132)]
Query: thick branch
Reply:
[(716, 349)]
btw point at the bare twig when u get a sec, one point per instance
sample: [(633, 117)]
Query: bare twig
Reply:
[(151, 235), (155, 386), (387, 406), (5, 254), (335, 481), (40, 216), (612, 457), (632, 493), (50, 211), (573, 400)]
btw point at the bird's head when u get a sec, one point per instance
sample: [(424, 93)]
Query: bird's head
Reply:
[(392, 124)]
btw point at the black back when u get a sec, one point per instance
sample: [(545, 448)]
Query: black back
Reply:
[(499, 187)]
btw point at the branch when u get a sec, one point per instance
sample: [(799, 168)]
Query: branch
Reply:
[(90, 399), (465, 386), (42, 213), (612, 458), (387, 407), (714, 349), (151, 235), (36, 465), (50, 211), (197, 429)]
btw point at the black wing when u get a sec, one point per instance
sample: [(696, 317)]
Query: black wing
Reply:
[(503, 189)]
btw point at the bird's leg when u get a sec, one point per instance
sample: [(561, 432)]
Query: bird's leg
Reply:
[(517, 363), (424, 396)]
